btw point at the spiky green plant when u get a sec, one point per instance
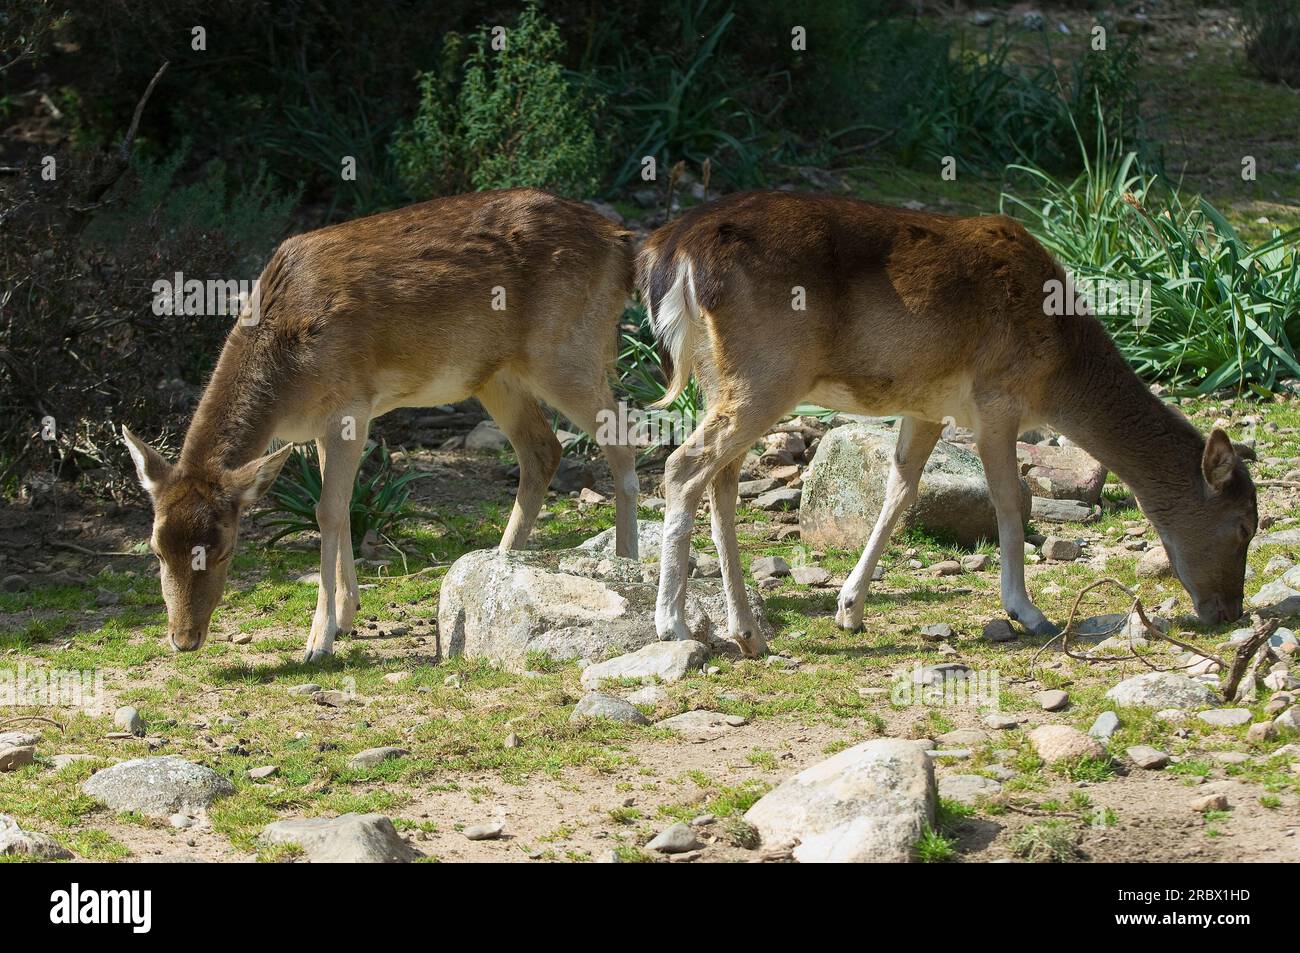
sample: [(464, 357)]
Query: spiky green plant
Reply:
[(379, 494)]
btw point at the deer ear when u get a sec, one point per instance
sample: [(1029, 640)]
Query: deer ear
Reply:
[(251, 481), (1218, 461), (150, 466)]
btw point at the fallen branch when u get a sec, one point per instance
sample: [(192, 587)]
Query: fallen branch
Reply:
[(48, 721), (1245, 652), (1135, 607)]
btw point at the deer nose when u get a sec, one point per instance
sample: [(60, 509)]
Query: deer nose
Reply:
[(192, 641)]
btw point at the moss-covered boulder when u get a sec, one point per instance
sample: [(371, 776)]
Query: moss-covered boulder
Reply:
[(844, 490)]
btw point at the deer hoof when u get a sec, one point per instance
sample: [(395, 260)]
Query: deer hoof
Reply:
[(752, 645)]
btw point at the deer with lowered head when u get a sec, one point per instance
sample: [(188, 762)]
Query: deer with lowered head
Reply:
[(929, 317), (510, 296)]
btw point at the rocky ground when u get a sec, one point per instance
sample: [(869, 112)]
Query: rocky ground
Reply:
[(535, 717)]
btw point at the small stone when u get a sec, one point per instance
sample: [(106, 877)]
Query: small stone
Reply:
[(769, 567), (311, 688), (16, 756), (330, 699), (396, 678), (999, 630), (266, 771), (181, 821), (1107, 724), (1154, 563), (783, 499), (1052, 700), (1225, 717), (1056, 743), (512, 741), (810, 575), (1000, 722), (650, 695), (948, 567), (1289, 720), (597, 705), (968, 788), (1261, 731), (373, 756), (1056, 549), (242, 638), (962, 738), (16, 842), (128, 719), (1210, 802), (490, 831), (677, 839), (938, 632), (975, 562), (707, 566), (1144, 756)]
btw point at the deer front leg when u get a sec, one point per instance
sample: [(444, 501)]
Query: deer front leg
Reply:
[(340, 453), (997, 447), (916, 438)]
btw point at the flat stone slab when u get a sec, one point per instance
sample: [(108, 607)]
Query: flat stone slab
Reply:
[(1147, 757), (701, 725), (968, 788), (1226, 717), (16, 842), (598, 705), (869, 803), (664, 661), (157, 787), (1163, 690), (346, 839)]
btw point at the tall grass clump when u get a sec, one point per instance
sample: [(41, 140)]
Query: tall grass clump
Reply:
[(1223, 312), (1272, 33)]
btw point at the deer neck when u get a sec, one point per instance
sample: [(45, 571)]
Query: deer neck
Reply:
[(235, 419), (1103, 406)]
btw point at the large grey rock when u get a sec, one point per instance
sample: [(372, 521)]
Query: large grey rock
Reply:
[(1163, 690), (844, 489), (650, 541), (869, 803), (16, 842), (157, 787), (664, 661), (347, 839), (567, 604)]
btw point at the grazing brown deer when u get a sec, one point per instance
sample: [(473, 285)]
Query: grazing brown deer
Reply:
[(930, 317), (511, 296)]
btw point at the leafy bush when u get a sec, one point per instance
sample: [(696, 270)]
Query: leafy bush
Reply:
[(1272, 29), (79, 340), (1223, 313), (515, 121), (379, 495)]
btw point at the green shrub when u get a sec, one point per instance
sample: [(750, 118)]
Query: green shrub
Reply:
[(1272, 29), (515, 120)]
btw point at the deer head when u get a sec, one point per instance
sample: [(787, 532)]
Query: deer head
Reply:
[(1207, 536), (195, 525)]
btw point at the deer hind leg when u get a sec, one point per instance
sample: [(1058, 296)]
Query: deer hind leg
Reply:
[(586, 410), (722, 436), (997, 445), (916, 438), (722, 506), (336, 600), (520, 417)]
